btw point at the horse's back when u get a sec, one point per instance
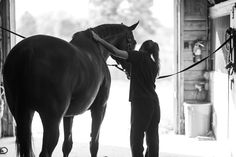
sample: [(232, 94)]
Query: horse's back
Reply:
[(38, 67), (39, 56), (44, 69)]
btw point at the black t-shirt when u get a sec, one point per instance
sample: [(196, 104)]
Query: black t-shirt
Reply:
[(143, 76)]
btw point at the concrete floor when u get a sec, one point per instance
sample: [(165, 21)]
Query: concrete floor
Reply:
[(170, 146), (115, 143)]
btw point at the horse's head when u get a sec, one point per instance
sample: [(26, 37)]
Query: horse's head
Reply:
[(120, 36)]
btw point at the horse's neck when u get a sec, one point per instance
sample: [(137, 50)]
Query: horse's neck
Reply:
[(104, 52), (111, 38), (86, 34)]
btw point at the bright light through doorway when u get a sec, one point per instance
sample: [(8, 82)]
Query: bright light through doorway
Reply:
[(116, 125)]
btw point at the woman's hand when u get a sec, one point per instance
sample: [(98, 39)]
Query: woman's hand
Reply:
[(112, 49), (95, 36)]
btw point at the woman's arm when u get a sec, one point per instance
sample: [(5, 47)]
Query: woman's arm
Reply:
[(115, 51)]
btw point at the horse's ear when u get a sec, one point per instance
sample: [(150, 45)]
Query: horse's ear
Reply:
[(133, 26)]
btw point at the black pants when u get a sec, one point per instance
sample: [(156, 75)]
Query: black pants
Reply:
[(145, 118)]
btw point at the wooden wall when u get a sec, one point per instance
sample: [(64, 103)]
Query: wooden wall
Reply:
[(6, 21), (220, 89), (222, 85), (195, 27), (191, 24)]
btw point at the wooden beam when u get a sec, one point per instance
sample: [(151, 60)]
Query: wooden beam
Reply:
[(193, 75), (221, 9), (188, 54), (195, 95), (178, 106), (5, 12), (195, 34), (201, 66), (200, 25)]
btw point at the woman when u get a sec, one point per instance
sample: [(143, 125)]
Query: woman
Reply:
[(145, 110)]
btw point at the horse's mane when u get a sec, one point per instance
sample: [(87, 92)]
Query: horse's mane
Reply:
[(105, 30)]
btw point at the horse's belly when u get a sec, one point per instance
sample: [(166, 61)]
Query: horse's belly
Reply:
[(76, 108), (81, 101)]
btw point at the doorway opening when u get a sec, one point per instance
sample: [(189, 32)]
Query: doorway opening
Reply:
[(62, 19)]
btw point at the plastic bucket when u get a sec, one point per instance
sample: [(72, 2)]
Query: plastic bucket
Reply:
[(197, 119)]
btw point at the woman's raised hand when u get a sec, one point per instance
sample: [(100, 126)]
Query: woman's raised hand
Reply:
[(95, 36)]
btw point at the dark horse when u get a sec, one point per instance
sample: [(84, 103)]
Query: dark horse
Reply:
[(60, 79)]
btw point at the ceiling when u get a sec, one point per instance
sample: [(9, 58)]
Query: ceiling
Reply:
[(213, 2)]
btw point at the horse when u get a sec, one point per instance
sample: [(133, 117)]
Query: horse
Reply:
[(60, 79), (124, 66)]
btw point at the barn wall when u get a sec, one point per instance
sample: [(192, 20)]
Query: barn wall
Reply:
[(219, 88), (222, 85), (219, 79), (192, 26), (195, 27), (232, 118), (6, 41)]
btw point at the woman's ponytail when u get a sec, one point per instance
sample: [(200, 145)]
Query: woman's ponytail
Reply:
[(153, 49), (155, 53)]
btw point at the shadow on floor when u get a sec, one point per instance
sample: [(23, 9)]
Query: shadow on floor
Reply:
[(170, 146)]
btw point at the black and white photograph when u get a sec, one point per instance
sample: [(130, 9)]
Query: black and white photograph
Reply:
[(117, 78)]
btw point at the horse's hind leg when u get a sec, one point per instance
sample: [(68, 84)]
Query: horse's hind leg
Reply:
[(19, 106), (97, 114), (50, 134), (23, 133), (67, 145)]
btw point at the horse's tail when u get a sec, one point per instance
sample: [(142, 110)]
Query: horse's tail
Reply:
[(24, 138), (17, 94)]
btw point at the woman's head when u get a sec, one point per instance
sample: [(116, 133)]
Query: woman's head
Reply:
[(152, 48)]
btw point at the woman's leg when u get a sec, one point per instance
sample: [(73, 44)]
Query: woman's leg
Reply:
[(152, 140), (141, 114), (136, 142), (152, 134)]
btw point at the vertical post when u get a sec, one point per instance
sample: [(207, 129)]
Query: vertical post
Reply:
[(178, 12), (233, 25), (232, 86), (5, 12)]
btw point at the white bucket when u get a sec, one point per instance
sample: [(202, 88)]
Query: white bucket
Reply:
[(197, 119)]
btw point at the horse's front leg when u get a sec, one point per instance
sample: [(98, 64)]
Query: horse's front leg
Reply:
[(97, 114), (67, 144)]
